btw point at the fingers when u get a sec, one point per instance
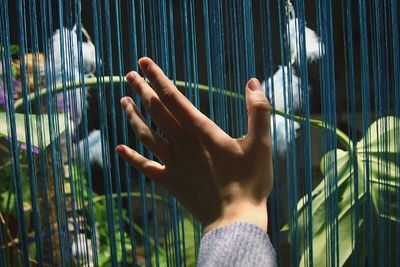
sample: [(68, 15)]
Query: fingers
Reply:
[(150, 139), (151, 169), (159, 113), (181, 108), (259, 111)]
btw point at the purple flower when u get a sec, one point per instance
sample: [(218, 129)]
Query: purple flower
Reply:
[(35, 150), (23, 146), (16, 90)]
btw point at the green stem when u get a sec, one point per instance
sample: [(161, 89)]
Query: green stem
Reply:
[(125, 195), (90, 82)]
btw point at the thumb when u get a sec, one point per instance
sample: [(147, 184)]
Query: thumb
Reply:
[(258, 110)]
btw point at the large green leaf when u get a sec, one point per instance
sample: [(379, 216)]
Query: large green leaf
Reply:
[(335, 190), (187, 241), (375, 162), (37, 135), (378, 152)]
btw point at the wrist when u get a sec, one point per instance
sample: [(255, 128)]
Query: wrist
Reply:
[(241, 211)]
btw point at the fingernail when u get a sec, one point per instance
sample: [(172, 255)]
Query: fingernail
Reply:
[(119, 149), (124, 102), (130, 77), (254, 84), (144, 63)]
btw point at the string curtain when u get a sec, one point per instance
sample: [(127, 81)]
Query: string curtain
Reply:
[(330, 70)]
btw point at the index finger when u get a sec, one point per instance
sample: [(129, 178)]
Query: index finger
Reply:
[(190, 118)]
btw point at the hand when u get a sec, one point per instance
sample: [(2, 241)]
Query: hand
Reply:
[(217, 178)]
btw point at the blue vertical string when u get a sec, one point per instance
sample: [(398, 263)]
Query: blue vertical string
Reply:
[(86, 148), (186, 50), (325, 135), (365, 102), (55, 156), (387, 106), (31, 166), (70, 112), (305, 103), (68, 74), (174, 233), (327, 65), (187, 42), (124, 120), (116, 174), (194, 55), (142, 180), (78, 203), (71, 100), (218, 64), (13, 147), (376, 51), (44, 170), (133, 65), (163, 58), (208, 59), (183, 244), (249, 40), (157, 36), (396, 87), (74, 170), (233, 120), (285, 57), (239, 66), (221, 76), (267, 56), (352, 121), (97, 14)]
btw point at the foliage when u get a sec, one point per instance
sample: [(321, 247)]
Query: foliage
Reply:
[(40, 136), (187, 244), (373, 166), (14, 49)]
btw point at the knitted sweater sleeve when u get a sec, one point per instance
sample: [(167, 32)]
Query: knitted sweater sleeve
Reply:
[(236, 244)]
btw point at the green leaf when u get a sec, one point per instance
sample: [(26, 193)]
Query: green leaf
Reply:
[(37, 135), (375, 163), (14, 49), (378, 151)]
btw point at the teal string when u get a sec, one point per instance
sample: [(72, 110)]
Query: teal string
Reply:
[(285, 56), (171, 210), (183, 242), (97, 16), (352, 121), (208, 59), (306, 133), (116, 173), (233, 121), (28, 130), (13, 147), (89, 190), (268, 71), (57, 158), (366, 119), (142, 181), (128, 173), (396, 87), (44, 169)]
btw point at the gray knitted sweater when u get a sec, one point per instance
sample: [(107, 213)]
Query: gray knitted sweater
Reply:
[(236, 244)]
